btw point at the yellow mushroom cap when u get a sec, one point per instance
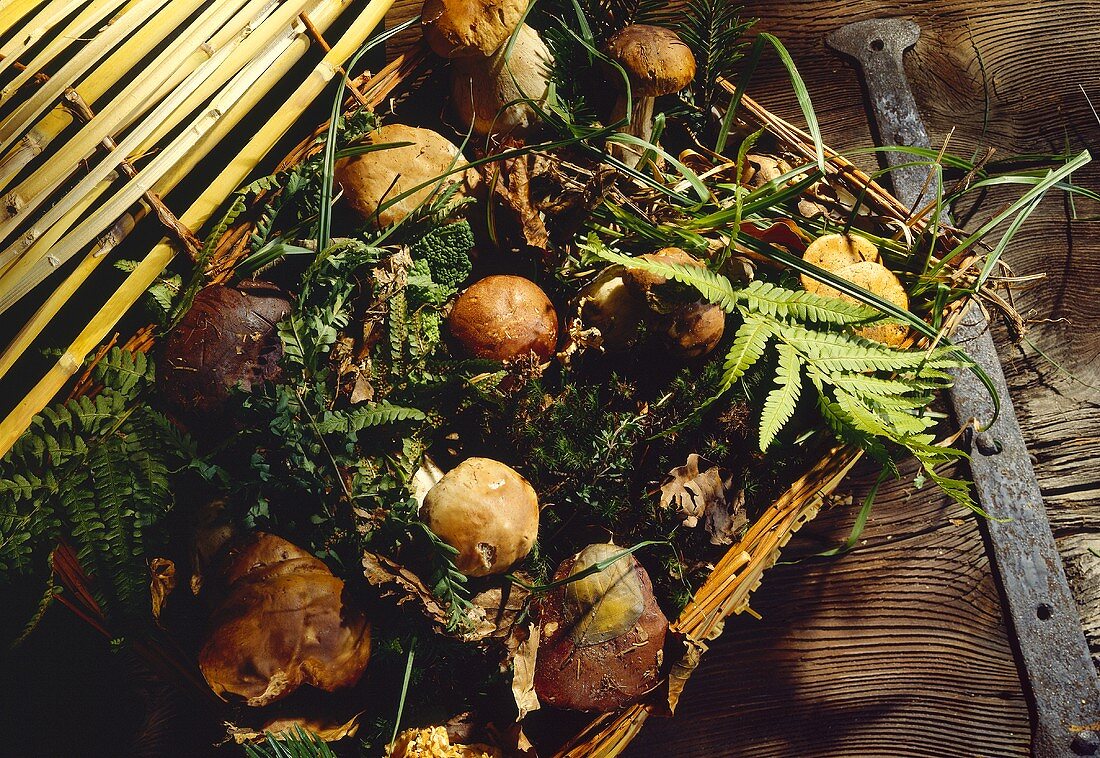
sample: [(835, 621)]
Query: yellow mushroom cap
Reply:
[(883, 282), (833, 252)]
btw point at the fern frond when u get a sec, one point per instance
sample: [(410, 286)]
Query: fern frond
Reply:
[(835, 352), (798, 305), (124, 371), (780, 404), (714, 287), (748, 347), (366, 416), (300, 744)]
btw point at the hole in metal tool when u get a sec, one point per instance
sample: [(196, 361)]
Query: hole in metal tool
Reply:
[(877, 45), (1043, 611)]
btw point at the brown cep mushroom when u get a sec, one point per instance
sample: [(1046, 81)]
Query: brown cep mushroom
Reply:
[(485, 510), (469, 28), (372, 180), (283, 621), (657, 62), (602, 636), (228, 339), (490, 94), (691, 328), (503, 317)]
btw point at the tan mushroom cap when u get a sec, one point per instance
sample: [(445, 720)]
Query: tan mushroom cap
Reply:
[(503, 317), (880, 280), (469, 28), (282, 622), (833, 252), (655, 59), (370, 180), (485, 510), (486, 92)]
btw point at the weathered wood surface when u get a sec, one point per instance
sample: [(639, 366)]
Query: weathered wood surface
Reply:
[(900, 648)]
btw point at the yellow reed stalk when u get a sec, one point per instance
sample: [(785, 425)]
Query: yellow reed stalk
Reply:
[(51, 15), (322, 17), (160, 256), (93, 14), (40, 185), (265, 46), (104, 76), (137, 92), (14, 11)]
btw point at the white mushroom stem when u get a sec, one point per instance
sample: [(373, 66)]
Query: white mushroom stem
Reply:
[(640, 125)]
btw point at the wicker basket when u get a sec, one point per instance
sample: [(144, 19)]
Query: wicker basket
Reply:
[(740, 571)]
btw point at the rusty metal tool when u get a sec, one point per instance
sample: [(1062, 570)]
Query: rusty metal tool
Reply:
[(1053, 657)]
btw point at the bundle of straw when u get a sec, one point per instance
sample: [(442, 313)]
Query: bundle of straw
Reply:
[(214, 70)]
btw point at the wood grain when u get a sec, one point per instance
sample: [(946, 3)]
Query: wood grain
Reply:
[(900, 648)]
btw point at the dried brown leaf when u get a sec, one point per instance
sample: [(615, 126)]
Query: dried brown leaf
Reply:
[(523, 676), (699, 491), (162, 580)]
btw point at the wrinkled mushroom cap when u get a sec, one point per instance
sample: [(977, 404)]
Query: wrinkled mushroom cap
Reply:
[(228, 338), (435, 742), (283, 622), (503, 317), (481, 88), (469, 28), (603, 636), (487, 511), (370, 180), (655, 59), (833, 252), (883, 282)]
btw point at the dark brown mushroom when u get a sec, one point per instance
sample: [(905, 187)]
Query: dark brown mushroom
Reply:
[(691, 326), (602, 636), (228, 339), (503, 317), (281, 620), (657, 62)]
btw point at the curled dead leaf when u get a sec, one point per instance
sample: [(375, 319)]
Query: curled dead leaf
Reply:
[(699, 491), (683, 668), (162, 580), (286, 727), (523, 673)]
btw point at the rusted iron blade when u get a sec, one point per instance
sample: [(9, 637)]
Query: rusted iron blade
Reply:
[(1053, 656)]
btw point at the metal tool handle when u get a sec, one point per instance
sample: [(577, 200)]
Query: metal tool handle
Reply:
[(878, 45), (1055, 664)]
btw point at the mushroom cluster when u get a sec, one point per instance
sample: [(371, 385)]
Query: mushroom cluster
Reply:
[(372, 182), (281, 620), (493, 81), (857, 260), (504, 317), (486, 511), (602, 635), (227, 340), (622, 303)]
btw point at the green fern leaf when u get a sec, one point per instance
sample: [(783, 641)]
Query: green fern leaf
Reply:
[(366, 416), (714, 287), (799, 305), (748, 347), (781, 401)]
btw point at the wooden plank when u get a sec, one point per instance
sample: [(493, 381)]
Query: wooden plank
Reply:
[(899, 648)]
